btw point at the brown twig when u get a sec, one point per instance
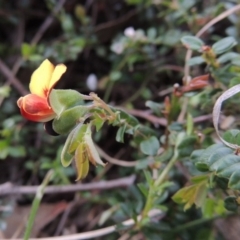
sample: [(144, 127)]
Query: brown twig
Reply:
[(66, 213), (160, 68), (10, 189), (116, 22), (202, 118), (100, 232), (123, 163), (46, 24), (12, 79), (162, 121), (146, 115)]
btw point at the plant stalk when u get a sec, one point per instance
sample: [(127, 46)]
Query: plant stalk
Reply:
[(159, 180), (164, 173), (36, 203)]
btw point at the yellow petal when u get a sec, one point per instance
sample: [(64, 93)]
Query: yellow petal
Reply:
[(41, 78), (59, 70)]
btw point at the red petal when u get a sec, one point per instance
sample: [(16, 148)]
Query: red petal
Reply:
[(35, 108)]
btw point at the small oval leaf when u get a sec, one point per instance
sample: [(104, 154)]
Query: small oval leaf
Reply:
[(192, 42), (150, 146), (224, 45), (195, 61)]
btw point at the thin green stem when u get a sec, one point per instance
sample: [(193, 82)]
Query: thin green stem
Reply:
[(150, 198), (194, 223), (36, 203), (148, 204), (164, 173), (137, 93), (108, 91), (111, 83)]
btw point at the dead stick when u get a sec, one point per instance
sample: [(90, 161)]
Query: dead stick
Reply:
[(11, 189)]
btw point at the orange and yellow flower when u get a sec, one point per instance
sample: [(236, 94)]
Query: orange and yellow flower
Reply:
[(35, 106)]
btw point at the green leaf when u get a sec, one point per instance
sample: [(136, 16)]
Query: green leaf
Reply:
[(171, 37), (4, 91), (214, 157), (193, 194), (186, 147), (150, 146), (69, 119), (77, 137), (142, 187), (236, 61), (135, 2), (148, 177), (193, 43), (232, 136), (196, 154), (175, 126), (107, 214), (120, 133), (154, 106), (17, 151), (199, 179), (195, 61), (208, 208), (144, 130), (27, 50), (80, 12), (221, 182), (227, 57), (230, 203), (187, 141), (221, 161), (4, 148), (202, 156), (203, 167), (219, 207), (74, 139), (213, 207), (67, 23), (123, 116), (60, 100), (165, 156), (152, 33), (142, 164), (224, 45), (225, 166), (234, 81), (66, 156), (234, 181), (115, 76)]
